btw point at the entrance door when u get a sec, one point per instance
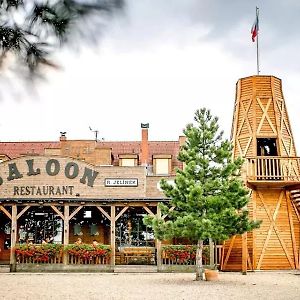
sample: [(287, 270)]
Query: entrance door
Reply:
[(268, 167), (135, 243)]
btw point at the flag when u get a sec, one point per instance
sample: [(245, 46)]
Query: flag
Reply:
[(254, 29)]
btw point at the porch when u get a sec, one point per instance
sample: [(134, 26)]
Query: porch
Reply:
[(272, 171)]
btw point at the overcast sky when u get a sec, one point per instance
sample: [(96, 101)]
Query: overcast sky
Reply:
[(157, 63)]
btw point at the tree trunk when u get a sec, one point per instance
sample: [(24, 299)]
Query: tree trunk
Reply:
[(199, 265)]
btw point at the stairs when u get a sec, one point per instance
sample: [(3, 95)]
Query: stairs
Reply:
[(295, 196), (135, 269), (4, 268)]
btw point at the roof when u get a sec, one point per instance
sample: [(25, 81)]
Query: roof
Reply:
[(17, 149)]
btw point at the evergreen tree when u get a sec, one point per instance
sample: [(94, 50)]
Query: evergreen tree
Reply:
[(31, 30), (208, 194)]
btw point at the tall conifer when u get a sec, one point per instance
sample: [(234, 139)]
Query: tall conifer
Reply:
[(208, 194)]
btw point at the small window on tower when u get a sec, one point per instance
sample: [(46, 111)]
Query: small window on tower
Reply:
[(267, 147)]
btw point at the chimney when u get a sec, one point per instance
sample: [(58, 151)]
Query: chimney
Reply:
[(144, 145), (62, 136), (182, 140)]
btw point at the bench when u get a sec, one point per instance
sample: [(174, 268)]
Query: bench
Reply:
[(138, 254)]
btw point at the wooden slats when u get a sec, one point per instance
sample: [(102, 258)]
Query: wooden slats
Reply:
[(273, 168)]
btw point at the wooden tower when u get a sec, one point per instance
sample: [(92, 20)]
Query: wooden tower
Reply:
[(261, 133)]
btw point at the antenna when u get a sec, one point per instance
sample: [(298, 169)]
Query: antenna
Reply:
[(95, 132)]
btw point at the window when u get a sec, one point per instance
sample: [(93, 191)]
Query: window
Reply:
[(162, 164), (128, 160), (266, 147)]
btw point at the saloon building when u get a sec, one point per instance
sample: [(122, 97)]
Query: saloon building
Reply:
[(95, 190)]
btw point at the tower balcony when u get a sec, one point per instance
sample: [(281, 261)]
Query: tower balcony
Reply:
[(272, 171)]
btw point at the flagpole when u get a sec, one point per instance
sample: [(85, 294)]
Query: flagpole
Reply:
[(257, 48)]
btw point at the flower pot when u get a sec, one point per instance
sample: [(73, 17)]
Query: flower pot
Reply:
[(211, 275)]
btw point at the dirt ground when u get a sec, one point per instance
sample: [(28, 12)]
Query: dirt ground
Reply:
[(154, 286)]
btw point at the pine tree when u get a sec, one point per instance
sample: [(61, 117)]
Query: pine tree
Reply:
[(208, 194), (32, 30)]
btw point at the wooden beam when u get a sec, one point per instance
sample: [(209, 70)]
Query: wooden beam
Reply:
[(66, 231), (104, 212), (113, 234), (148, 210), (254, 253), (244, 253), (121, 213), (228, 252), (6, 212), (298, 217), (273, 226), (265, 116), (58, 212), (288, 203), (211, 253), (245, 117), (249, 260), (171, 209), (75, 212), (23, 211), (272, 221), (158, 245), (13, 237)]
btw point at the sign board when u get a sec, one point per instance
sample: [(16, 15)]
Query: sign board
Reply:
[(126, 182)]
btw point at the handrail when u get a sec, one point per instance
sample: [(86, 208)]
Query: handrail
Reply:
[(280, 168)]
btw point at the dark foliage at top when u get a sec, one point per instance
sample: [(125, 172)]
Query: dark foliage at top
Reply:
[(31, 30)]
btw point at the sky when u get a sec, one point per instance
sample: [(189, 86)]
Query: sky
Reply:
[(158, 62)]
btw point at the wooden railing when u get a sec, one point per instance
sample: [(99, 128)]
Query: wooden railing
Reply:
[(75, 260), (53, 254), (273, 168), (25, 259)]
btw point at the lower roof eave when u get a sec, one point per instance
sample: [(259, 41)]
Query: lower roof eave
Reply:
[(6, 201)]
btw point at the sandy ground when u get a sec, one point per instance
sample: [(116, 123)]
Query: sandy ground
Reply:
[(154, 286)]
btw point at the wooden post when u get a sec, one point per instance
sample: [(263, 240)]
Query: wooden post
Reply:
[(211, 253), (244, 253), (66, 231), (158, 246), (254, 256), (13, 235), (113, 234)]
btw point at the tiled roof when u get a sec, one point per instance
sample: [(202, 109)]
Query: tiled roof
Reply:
[(17, 149)]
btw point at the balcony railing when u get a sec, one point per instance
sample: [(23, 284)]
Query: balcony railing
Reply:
[(273, 168)]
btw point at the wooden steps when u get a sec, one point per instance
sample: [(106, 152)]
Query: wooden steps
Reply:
[(295, 196), (135, 269), (4, 268)]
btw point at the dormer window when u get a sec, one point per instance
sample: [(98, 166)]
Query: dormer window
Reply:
[(128, 160), (162, 164)]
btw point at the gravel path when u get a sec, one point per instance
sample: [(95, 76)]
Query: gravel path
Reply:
[(154, 286)]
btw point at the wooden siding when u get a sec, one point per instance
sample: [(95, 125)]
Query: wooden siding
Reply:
[(275, 245)]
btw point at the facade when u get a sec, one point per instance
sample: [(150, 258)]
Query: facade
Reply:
[(93, 190), (99, 191)]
